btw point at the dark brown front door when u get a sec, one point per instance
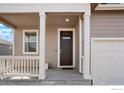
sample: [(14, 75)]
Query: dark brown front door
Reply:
[(66, 48)]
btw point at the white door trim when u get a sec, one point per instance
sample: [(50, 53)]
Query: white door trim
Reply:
[(58, 53)]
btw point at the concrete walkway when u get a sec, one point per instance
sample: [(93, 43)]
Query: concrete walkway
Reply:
[(54, 77)]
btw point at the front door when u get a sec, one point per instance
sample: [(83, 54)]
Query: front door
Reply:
[(66, 49)]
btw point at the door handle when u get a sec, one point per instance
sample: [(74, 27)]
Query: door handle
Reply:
[(60, 51)]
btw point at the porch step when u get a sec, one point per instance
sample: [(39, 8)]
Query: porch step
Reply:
[(45, 82)]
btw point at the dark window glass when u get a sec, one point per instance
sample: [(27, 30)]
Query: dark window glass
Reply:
[(30, 42), (30, 46)]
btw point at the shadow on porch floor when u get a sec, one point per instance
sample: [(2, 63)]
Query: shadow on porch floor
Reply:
[(54, 77)]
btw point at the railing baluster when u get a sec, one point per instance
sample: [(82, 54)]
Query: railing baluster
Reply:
[(9, 68), (18, 65), (33, 66), (20, 61), (30, 61), (24, 66), (6, 65), (2, 66), (21, 65), (12, 65), (27, 66), (36, 66)]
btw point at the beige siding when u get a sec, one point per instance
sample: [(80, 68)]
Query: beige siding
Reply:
[(18, 40), (77, 45), (107, 24), (51, 44), (102, 25)]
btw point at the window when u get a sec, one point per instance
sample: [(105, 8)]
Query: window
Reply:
[(30, 41), (7, 38)]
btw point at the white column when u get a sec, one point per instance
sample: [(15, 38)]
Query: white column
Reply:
[(42, 45), (80, 44), (86, 63)]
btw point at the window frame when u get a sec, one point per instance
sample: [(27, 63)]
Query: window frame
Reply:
[(33, 30)]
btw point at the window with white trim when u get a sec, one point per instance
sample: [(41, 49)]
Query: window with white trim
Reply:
[(30, 41)]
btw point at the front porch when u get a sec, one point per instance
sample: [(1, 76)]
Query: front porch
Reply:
[(36, 42), (63, 74), (54, 77), (28, 66)]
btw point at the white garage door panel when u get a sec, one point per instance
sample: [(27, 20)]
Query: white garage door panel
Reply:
[(107, 58)]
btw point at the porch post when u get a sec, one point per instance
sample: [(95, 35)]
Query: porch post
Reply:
[(86, 63), (42, 41)]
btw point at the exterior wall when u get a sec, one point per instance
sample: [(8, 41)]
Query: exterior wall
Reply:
[(18, 39), (106, 66), (77, 45), (41, 9), (51, 44), (4, 49), (110, 24)]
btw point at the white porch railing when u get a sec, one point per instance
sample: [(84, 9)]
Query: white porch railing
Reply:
[(19, 66)]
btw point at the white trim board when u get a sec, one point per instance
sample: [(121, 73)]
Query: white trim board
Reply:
[(118, 6), (58, 53), (24, 8), (108, 38)]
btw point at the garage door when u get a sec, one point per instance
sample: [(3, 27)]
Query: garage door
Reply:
[(107, 59)]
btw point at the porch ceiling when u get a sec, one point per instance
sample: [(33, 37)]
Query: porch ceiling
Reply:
[(22, 19), (32, 19), (59, 20)]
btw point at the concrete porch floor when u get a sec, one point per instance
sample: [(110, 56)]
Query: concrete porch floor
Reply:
[(54, 77), (63, 74)]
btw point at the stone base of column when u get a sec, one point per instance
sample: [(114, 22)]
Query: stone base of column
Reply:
[(42, 77)]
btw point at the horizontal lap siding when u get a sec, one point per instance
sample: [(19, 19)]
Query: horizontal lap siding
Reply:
[(18, 40), (107, 24)]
